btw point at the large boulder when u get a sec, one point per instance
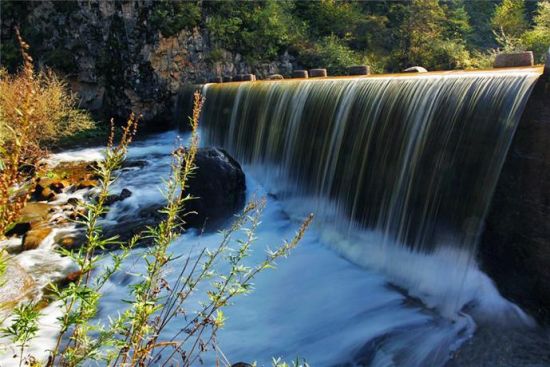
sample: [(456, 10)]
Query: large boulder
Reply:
[(218, 187)]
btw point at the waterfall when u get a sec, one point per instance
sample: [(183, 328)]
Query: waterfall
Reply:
[(413, 159)]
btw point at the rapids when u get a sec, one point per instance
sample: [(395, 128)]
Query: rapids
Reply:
[(317, 304)]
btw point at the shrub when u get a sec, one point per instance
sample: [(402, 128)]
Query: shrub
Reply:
[(170, 17), (36, 109), (134, 337), (331, 53), (258, 30), (538, 38)]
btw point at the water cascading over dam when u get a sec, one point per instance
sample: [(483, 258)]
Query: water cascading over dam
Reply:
[(411, 158)]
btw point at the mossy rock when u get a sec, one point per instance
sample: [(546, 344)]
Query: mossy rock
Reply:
[(34, 212), (34, 238)]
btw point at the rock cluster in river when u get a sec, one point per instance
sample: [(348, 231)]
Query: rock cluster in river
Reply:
[(44, 224)]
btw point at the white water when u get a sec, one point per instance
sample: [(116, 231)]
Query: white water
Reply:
[(316, 304)]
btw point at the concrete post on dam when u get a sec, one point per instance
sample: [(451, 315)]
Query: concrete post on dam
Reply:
[(300, 74), (317, 73)]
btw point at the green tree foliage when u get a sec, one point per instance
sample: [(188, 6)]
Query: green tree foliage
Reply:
[(328, 17), (480, 14), (509, 23), (431, 36), (457, 20), (259, 30), (170, 17), (331, 53), (538, 38)]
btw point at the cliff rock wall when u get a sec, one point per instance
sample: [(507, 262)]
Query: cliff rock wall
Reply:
[(118, 62)]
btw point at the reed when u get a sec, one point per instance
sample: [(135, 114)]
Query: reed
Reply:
[(136, 337)]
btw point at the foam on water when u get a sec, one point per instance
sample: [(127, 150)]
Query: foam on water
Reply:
[(317, 304)]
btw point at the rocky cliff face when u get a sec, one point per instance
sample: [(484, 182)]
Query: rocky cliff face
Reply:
[(118, 62)]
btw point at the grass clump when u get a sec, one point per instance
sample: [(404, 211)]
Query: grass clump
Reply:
[(136, 335)]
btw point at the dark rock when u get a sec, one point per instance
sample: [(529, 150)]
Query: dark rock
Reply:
[(86, 184), (493, 345), (133, 223), (227, 79), (359, 70), (247, 77), (73, 201), (218, 187), (46, 188), (415, 69), (134, 164), (27, 169), (19, 229), (78, 214), (515, 246), (317, 73), (512, 59), (124, 194), (47, 194), (299, 74), (70, 239), (546, 74)]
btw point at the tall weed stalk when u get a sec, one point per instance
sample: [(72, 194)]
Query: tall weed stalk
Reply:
[(137, 336)]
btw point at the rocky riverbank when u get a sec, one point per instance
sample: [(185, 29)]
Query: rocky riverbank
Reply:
[(51, 220), (48, 222)]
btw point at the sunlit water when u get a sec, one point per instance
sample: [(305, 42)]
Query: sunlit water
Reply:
[(317, 304)]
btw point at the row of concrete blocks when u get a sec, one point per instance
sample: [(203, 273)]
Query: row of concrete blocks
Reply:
[(503, 60), (312, 73)]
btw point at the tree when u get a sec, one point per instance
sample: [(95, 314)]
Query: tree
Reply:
[(331, 53), (538, 38), (425, 37), (480, 14), (258, 30), (328, 17), (457, 22), (509, 23)]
